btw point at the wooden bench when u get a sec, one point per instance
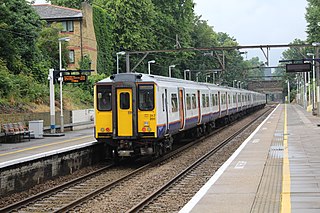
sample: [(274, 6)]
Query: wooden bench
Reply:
[(11, 132)]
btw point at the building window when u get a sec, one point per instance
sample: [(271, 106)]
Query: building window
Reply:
[(67, 26), (71, 56)]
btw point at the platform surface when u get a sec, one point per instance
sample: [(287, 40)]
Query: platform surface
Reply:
[(277, 169), (13, 153)]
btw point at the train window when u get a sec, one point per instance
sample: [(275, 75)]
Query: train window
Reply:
[(216, 98), (223, 99), (229, 99), (188, 102), (163, 107), (213, 100), (146, 97), (174, 102), (104, 98), (207, 100), (203, 100), (124, 100), (194, 101)]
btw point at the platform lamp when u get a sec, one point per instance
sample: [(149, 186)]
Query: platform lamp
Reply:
[(119, 53), (313, 82), (170, 67), (317, 105), (234, 82), (66, 39), (149, 65), (238, 84), (185, 74)]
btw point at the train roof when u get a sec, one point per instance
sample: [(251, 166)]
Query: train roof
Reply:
[(164, 81)]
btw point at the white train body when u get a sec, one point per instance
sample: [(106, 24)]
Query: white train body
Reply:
[(145, 112)]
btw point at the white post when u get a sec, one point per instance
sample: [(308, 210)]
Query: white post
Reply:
[(288, 91), (309, 89), (305, 91), (52, 107)]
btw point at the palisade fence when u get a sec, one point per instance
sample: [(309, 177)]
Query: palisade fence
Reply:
[(26, 117)]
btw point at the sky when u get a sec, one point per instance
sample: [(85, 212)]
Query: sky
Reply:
[(257, 22)]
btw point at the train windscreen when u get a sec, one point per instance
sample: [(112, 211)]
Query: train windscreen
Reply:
[(146, 97), (104, 97)]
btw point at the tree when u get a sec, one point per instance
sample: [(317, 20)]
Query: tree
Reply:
[(19, 29), (70, 3), (313, 20)]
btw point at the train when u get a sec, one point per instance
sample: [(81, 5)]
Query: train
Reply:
[(140, 114)]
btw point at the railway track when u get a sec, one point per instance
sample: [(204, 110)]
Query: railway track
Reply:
[(110, 181)]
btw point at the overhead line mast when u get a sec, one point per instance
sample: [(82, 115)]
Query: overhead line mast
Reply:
[(268, 47)]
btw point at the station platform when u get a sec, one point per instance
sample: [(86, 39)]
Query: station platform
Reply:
[(277, 169), (19, 152)]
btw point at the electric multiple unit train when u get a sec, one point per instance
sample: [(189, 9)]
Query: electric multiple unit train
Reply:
[(140, 114)]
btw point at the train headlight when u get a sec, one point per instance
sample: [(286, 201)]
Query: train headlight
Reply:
[(102, 129), (146, 123), (149, 129)]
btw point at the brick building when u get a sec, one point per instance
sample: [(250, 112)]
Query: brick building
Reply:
[(78, 26)]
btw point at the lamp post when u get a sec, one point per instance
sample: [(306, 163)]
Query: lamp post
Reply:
[(317, 103), (234, 82), (197, 76), (149, 65), (170, 67), (185, 74), (119, 53), (66, 39), (238, 84), (313, 82), (288, 91)]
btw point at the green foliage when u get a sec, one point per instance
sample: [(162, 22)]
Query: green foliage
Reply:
[(313, 20), (70, 3), (85, 63), (103, 27), (19, 29)]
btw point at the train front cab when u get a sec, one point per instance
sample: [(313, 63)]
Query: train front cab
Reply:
[(126, 117)]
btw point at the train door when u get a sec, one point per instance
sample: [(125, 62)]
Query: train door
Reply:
[(219, 103), (181, 107), (236, 101), (199, 108), (227, 103), (124, 112)]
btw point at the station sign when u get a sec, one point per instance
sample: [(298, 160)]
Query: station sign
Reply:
[(74, 78), (298, 67)]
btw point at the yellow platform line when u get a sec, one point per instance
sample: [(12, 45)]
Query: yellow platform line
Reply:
[(45, 145), (286, 182)]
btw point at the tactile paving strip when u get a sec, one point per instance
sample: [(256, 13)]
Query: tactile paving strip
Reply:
[(269, 191)]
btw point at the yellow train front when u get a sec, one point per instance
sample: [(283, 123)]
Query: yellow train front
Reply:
[(125, 115)]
